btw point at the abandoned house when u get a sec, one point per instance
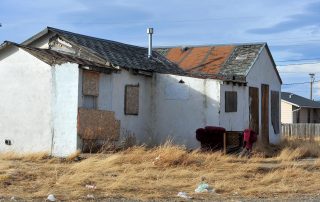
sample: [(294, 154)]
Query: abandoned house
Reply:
[(65, 89), (298, 109)]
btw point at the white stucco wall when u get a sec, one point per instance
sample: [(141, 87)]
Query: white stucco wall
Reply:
[(181, 108), (26, 102), (111, 98), (262, 72), (239, 120), (65, 105)]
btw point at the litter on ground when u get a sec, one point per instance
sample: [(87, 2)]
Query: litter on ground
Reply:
[(184, 195)]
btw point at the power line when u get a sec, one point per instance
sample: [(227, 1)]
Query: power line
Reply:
[(297, 60), (287, 84), (298, 72), (305, 63)]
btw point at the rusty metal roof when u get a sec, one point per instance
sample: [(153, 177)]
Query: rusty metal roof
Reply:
[(225, 61)]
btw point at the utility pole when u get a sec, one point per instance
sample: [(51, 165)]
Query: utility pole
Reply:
[(311, 84)]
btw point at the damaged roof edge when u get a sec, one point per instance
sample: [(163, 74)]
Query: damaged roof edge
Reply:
[(35, 37), (53, 57)]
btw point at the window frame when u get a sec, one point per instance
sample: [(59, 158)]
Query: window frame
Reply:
[(126, 99), (234, 106)]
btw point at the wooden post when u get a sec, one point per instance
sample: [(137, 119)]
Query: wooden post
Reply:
[(225, 143)]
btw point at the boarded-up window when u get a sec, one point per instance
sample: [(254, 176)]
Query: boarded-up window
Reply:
[(230, 101), (90, 102), (90, 83), (275, 111), (131, 100), (254, 109)]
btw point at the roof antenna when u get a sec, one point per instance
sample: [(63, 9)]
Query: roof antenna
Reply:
[(150, 32)]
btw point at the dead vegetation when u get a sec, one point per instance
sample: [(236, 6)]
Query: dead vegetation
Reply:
[(162, 172)]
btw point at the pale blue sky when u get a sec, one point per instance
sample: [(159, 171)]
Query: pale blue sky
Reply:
[(291, 27)]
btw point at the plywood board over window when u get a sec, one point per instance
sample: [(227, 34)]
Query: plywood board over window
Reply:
[(90, 83), (231, 101), (275, 110), (254, 109), (98, 125), (131, 100), (265, 113)]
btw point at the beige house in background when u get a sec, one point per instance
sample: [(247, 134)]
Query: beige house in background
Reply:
[(298, 109)]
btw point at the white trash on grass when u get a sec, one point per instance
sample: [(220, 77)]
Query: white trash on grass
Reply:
[(51, 197), (88, 186), (184, 195)]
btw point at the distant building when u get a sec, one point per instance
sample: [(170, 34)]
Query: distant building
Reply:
[(298, 109)]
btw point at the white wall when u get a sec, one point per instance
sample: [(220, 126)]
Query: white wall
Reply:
[(26, 102), (181, 108), (66, 78), (111, 98), (239, 120), (262, 72)]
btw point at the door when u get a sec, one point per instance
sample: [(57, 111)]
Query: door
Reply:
[(254, 109), (265, 113)]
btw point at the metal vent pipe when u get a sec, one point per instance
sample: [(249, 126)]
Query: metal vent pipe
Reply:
[(150, 32)]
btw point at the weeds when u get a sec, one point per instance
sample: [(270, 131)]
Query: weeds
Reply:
[(161, 172)]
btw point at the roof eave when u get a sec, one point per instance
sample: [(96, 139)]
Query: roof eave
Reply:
[(35, 37)]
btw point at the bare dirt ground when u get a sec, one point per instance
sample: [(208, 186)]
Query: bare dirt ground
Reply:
[(286, 173)]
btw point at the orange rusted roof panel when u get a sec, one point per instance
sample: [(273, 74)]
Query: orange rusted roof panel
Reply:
[(194, 58), (216, 59), (204, 59), (176, 54)]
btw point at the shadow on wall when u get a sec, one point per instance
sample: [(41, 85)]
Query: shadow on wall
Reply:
[(182, 105), (7, 52)]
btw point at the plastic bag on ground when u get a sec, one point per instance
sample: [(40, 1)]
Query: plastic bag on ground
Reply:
[(203, 187)]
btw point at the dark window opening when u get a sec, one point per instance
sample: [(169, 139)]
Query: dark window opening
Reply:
[(231, 101)]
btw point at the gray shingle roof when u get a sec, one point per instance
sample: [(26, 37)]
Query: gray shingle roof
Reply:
[(120, 54), (241, 59), (299, 100)]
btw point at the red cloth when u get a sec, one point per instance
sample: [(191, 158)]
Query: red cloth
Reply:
[(249, 137)]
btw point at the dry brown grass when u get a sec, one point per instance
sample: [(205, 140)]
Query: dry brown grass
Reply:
[(160, 173)]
